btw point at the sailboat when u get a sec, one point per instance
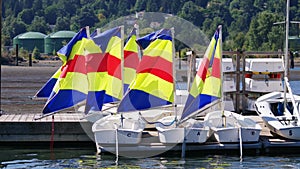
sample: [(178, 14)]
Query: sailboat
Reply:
[(280, 110), (230, 127), (204, 93), (115, 72), (225, 126), (152, 88)]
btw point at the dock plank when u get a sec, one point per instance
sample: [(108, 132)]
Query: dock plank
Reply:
[(23, 117), (16, 118), (3, 117), (30, 117), (10, 117)]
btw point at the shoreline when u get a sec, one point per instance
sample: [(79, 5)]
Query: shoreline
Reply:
[(20, 83)]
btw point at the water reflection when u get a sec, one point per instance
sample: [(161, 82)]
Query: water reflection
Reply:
[(86, 158)]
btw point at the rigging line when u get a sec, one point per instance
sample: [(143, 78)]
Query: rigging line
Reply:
[(157, 122)]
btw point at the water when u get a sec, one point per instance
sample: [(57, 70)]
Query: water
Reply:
[(295, 87), (86, 158)]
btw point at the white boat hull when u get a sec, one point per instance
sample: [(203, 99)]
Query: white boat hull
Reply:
[(129, 131), (287, 124), (191, 131), (125, 136), (288, 132), (229, 135), (234, 123), (225, 135), (177, 135)]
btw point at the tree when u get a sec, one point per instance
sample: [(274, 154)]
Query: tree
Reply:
[(75, 26), (152, 6), (140, 5), (17, 8), (36, 54), (18, 27), (191, 12), (26, 16), (37, 6), (86, 17), (50, 14), (241, 11), (39, 25), (262, 35), (62, 23)]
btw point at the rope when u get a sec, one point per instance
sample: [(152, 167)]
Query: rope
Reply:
[(148, 122)]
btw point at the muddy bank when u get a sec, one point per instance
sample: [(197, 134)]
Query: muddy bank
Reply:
[(20, 83)]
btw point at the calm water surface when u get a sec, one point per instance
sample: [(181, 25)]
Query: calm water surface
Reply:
[(86, 158)]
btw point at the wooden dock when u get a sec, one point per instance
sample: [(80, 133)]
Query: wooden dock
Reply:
[(70, 127)]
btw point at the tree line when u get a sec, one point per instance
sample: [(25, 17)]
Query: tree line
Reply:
[(247, 24)]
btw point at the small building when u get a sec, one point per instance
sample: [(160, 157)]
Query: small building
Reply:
[(30, 40), (55, 41)]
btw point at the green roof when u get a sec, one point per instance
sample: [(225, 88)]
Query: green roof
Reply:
[(294, 37), (63, 34), (31, 35)]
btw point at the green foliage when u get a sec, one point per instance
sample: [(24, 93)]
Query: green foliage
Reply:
[(26, 16), (51, 14), (263, 35), (36, 54), (62, 23), (190, 11), (39, 25), (23, 53), (247, 24)]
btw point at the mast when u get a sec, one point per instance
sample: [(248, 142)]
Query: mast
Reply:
[(88, 32), (98, 31), (286, 48), (221, 77), (122, 69), (137, 36), (173, 71), (122, 58), (221, 70)]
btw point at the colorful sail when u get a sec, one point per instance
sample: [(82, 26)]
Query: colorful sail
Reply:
[(71, 86), (63, 53), (46, 90), (206, 87), (104, 70), (160, 34), (154, 83), (131, 59)]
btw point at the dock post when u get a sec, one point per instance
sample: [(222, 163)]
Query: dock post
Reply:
[(117, 146), (30, 59), (183, 146), (17, 54), (179, 58), (238, 79), (243, 84)]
